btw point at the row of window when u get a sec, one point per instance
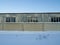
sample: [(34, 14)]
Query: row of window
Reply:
[(13, 19), (55, 19)]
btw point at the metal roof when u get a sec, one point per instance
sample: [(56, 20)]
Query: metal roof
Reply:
[(34, 13)]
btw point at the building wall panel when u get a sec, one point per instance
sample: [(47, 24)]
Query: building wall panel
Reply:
[(52, 26), (13, 26), (33, 27), (1, 26)]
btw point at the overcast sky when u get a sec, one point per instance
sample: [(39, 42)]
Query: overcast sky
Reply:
[(29, 6)]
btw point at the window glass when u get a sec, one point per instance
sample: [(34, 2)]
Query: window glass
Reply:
[(10, 19), (32, 19), (55, 19), (7, 19)]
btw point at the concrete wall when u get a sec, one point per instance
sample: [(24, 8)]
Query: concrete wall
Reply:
[(33, 27), (52, 26), (30, 26), (1, 26), (13, 26)]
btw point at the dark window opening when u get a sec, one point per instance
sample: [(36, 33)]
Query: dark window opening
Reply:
[(10, 19), (59, 19), (32, 20), (55, 19), (35, 20)]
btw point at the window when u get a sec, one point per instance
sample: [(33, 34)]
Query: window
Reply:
[(32, 19), (0, 19), (10, 19), (55, 19)]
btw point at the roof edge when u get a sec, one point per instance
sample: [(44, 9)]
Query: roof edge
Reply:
[(30, 12)]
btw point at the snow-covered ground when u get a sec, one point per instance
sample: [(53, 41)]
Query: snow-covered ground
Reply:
[(29, 38)]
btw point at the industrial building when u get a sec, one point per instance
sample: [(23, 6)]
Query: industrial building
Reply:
[(30, 21)]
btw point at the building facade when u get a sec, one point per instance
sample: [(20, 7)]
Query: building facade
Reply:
[(30, 21)]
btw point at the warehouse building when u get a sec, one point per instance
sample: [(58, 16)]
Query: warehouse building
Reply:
[(30, 21)]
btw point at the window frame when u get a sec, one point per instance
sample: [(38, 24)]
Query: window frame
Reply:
[(55, 19), (31, 19), (11, 18)]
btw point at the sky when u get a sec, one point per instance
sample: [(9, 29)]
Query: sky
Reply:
[(29, 6)]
